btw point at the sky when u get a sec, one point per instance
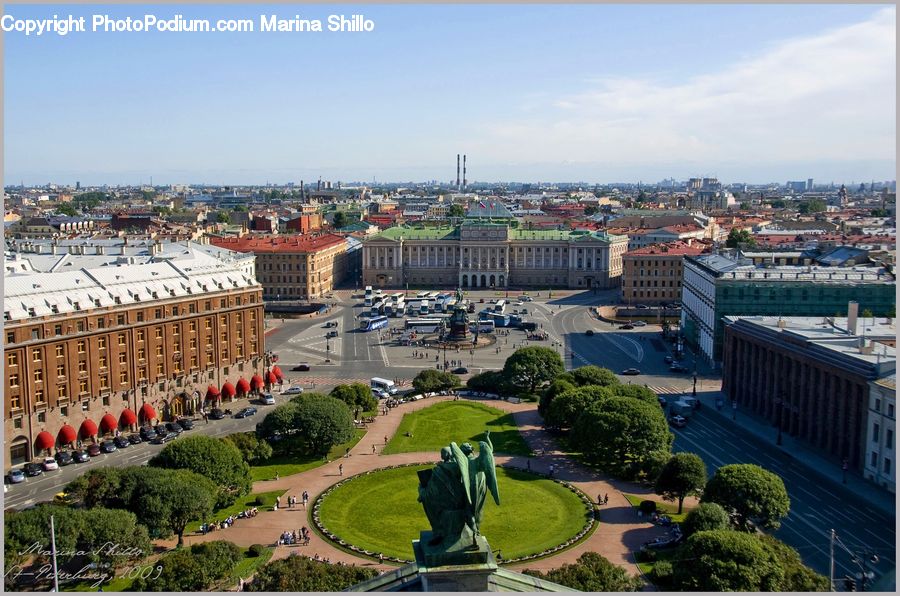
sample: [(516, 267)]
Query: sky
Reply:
[(602, 93)]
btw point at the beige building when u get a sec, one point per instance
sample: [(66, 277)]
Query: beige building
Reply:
[(653, 274), (483, 255)]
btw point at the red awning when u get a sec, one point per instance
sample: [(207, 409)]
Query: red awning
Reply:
[(228, 389), (243, 387), (128, 418), (270, 376), (108, 423), (44, 440), (256, 382), (212, 392), (88, 429), (278, 372), (148, 412), (67, 435)]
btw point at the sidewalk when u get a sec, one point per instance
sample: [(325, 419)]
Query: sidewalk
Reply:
[(829, 469)]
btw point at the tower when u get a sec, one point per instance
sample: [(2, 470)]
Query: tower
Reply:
[(464, 172), (457, 171)]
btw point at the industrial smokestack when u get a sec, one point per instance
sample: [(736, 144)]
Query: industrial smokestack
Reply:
[(457, 171), (852, 312), (464, 172)]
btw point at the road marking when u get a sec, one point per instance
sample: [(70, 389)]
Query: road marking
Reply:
[(880, 538), (800, 488)]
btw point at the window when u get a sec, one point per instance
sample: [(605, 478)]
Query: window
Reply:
[(13, 380), (120, 319), (194, 361), (123, 378), (223, 303), (12, 360), (38, 376), (140, 316), (82, 387), (192, 326), (104, 381), (42, 416), (101, 362), (889, 438), (142, 373), (121, 339), (174, 311), (57, 330), (159, 333), (36, 354), (79, 326), (105, 400), (208, 305), (123, 358), (890, 410), (223, 321), (157, 314), (81, 347), (875, 429), (101, 343), (60, 370), (64, 411), (11, 337), (159, 351), (887, 466), (208, 323), (192, 308), (60, 351), (62, 393), (193, 343), (159, 368), (140, 335), (101, 323), (142, 353), (17, 423)]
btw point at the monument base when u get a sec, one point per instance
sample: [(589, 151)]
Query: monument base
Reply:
[(457, 568)]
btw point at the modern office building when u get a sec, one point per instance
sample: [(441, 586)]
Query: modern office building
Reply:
[(98, 342), (811, 377), (491, 255), (716, 286)]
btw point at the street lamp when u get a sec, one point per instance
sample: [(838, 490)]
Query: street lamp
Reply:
[(327, 348)]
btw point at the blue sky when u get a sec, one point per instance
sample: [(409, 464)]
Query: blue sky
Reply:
[(530, 92)]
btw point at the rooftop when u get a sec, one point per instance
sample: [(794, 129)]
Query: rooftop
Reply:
[(670, 249), (279, 244)]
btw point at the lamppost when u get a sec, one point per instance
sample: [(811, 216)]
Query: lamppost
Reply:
[(327, 348), (779, 402)]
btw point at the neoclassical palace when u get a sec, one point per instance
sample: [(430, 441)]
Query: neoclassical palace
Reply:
[(490, 255)]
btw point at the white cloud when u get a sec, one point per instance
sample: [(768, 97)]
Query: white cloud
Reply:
[(830, 96)]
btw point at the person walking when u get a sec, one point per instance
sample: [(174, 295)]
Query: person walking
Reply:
[(385, 436), (605, 499), (373, 449), (340, 469)]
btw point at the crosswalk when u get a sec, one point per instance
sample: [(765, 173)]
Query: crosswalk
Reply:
[(667, 390)]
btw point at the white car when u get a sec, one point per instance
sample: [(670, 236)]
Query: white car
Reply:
[(268, 399), (526, 298), (50, 464), (380, 393), (639, 324), (293, 390)]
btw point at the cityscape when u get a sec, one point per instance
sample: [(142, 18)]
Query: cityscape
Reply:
[(380, 351)]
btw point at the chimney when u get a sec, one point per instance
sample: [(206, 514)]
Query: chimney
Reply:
[(852, 313), (53, 247), (100, 249), (464, 172), (866, 346), (457, 171), (782, 324)]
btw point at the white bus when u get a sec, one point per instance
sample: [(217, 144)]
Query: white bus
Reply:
[(395, 308), (384, 385), (373, 323), (421, 295), (430, 325), (368, 297), (377, 309), (482, 327), (433, 295), (500, 306), (441, 304), (423, 307)]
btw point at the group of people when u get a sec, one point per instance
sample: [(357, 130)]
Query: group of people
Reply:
[(205, 528), (602, 500), (293, 500), (296, 537)]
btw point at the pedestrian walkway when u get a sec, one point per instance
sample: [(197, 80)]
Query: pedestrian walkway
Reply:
[(829, 468)]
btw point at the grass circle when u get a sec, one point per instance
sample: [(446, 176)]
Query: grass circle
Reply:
[(378, 512)]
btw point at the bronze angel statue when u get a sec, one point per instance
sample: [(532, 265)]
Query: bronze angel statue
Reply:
[(454, 492)]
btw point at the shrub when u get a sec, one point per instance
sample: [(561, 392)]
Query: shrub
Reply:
[(645, 555), (256, 550), (259, 502), (661, 572), (648, 507), (707, 516)]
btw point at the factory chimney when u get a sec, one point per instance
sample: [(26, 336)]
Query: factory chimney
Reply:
[(457, 171), (464, 172), (852, 312)]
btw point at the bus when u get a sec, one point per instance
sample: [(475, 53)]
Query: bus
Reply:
[(482, 327), (423, 308), (500, 306), (430, 325), (369, 295), (500, 320), (377, 309), (383, 385), (450, 304), (432, 295), (421, 295), (395, 308), (373, 323), (398, 296), (440, 305)]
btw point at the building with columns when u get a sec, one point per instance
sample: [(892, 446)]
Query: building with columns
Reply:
[(491, 255)]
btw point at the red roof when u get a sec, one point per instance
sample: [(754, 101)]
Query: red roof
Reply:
[(279, 244), (148, 412), (44, 440), (88, 429), (243, 387), (228, 389), (670, 249), (128, 418), (108, 423), (67, 434), (256, 382)]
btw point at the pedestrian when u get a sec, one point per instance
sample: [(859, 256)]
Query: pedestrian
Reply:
[(551, 470), (341, 469), (606, 498), (373, 449), (599, 499), (347, 453), (277, 475)]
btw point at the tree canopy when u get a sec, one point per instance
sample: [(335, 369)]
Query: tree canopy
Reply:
[(591, 573), (683, 475), (752, 493), (219, 460), (252, 448), (727, 561), (565, 410), (194, 569), (356, 395), (456, 210), (812, 206), (738, 237), (311, 424), (706, 516), (340, 219), (301, 574), (430, 380), (529, 368), (595, 375)]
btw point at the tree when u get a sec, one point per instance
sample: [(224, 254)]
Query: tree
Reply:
[(640, 392), (738, 237), (812, 206), (430, 380), (567, 407), (223, 217), (192, 570), (491, 381), (67, 209), (594, 375), (322, 423), (727, 561), (340, 220), (559, 386), (797, 576), (683, 475), (752, 493), (590, 210), (867, 313), (707, 516), (745, 206), (591, 573), (301, 574), (456, 210), (220, 461), (252, 448), (356, 395), (528, 368), (622, 434), (281, 421), (190, 498)]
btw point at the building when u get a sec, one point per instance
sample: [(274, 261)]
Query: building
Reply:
[(296, 267), (716, 286), (304, 224), (811, 376), (653, 274), (645, 237), (880, 456), (97, 342), (482, 255)]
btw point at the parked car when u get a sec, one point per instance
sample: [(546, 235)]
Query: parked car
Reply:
[(639, 324), (216, 414), (93, 450), (631, 371), (267, 399), (380, 393), (245, 413), (524, 311), (293, 390), (678, 421), (108, 446), (173, 427), (677, 368), (63, 458), (185, 423), (161, 430), (121, 442), (626, 326), (642, 307), (589, 332), (662, 401), (164, 439), (81, 456), (668, 360), (462, 370), (525, 298), (302, 367), (33, 469), (16, 476), (134, 439), (330, 324), (147, 433)]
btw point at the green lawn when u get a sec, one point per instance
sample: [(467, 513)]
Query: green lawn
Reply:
[(249, 565), (436, 426), (379, 512), (670, 509), (245, 502), (286, 465), (666, 554)]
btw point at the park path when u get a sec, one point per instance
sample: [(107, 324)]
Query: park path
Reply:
[(619, 532)]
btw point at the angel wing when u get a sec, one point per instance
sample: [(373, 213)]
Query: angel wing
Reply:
[(463, 463), (486, 463)]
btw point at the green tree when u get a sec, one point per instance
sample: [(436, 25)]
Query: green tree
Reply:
[(114, 527), (706, 516), (594, 375), (683, 475), (797, 576), (745, 206), (323, 422), (622, 434), (220, 461), (591, 573), (529, 368), (727, 561), (301, 574), (192, 570), (456, 210), (640, 392), (738, 237), (356, 395), (281, 421), (867, 313), (252, 448), (752, 493), (812, 206), (565, 410), (490, 381), (340, 220), (67, 209), (431, 380), (149, 195), (559, 386), (590, 210), (222, 217)]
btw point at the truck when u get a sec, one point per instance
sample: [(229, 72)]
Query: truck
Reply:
[(680, 407)]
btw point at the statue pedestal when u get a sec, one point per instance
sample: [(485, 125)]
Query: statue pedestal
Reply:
[(457, 568)]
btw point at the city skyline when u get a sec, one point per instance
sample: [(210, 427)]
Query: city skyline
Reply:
[(744, 93)]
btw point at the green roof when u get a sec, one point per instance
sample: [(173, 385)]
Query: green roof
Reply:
[(452, 233), (407, 233)]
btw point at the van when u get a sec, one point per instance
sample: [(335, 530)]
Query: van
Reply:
[(680, 408), (384, 385)]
